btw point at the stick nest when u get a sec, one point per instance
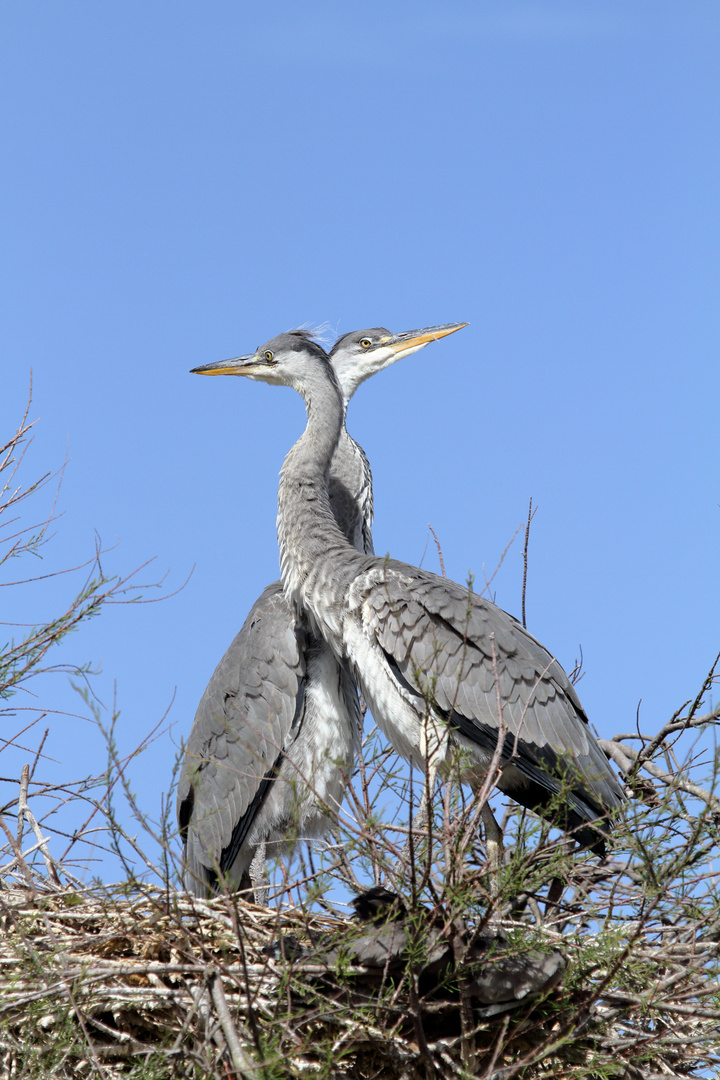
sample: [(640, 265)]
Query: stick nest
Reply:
[(157, 984)]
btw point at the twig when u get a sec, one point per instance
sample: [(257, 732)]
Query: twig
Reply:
[(626, 757), (439, 549), (674, 724), (241, 1061), (531, 515), (25, 811), (22, 804)]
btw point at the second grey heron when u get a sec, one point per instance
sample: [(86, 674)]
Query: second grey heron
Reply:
[(274, 734), (441, 668)]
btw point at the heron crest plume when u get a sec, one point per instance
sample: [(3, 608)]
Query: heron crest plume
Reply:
[(321, 333)]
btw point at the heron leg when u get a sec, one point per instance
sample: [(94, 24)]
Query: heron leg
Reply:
[(554, 893), (433, 747), (493, 846), (259, 876), (417, 827), (421, 817)]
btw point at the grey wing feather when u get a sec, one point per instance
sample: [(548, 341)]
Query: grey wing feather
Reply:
[(507, 981), (242, 722), (442, 641)]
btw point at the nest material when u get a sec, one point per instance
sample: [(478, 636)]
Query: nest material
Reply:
[(162, 985)]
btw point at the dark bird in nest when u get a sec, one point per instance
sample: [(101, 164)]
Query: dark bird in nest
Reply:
[(447, 958)]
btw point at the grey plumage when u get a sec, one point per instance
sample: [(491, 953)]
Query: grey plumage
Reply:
[(446, 956), (423, 649), (266, 759), (449, 636), (273, 738)]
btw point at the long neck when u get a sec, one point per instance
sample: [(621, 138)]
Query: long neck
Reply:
[(351, 493), (315, 557)]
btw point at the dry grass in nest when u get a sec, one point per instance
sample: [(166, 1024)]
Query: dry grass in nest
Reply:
[(155, 984)]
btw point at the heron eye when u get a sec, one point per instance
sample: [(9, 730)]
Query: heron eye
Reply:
[(366, 343), (268, 356)]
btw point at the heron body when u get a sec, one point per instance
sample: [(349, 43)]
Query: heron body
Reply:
[(387, 941), (270, 748), (274, 735), (430, 657)]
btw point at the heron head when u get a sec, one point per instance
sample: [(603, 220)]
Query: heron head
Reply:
[(362, 353), (283, 360)]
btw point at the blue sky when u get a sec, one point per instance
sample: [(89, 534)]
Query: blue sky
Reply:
[(182, 181)]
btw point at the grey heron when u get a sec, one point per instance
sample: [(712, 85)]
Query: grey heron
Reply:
[(386, 940), (273, 738), (431, 658)]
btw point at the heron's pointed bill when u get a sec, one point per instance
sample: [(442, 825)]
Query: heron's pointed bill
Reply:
[(239, 365), (412, 340)]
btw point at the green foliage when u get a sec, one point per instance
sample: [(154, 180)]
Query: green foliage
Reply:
[(24, 658)]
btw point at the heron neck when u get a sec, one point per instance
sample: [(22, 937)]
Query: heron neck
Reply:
[(311, 543)]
